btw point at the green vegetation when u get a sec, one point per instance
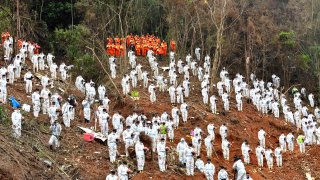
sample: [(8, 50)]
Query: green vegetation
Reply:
[(287, 38)]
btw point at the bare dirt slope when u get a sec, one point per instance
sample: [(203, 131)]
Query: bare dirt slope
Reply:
[(30, 157)]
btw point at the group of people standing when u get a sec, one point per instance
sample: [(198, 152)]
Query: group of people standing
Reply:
[(180, 80)]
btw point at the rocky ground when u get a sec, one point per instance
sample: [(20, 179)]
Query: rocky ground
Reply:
[(31, 158)]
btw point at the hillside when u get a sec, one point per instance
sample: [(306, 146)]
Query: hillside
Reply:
[(30, 157)]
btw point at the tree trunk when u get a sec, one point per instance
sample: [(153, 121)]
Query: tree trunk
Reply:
[(217, 56), (247, 69), (18, 20), (219, 24)]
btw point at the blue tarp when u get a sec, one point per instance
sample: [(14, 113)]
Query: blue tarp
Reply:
[(14, 102)]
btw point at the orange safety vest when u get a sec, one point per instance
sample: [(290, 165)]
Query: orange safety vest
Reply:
[(20, 43), (108, 50), (173, 46), (122, 50), (138, 50), (112, 49), (117, 49), (144, 50)]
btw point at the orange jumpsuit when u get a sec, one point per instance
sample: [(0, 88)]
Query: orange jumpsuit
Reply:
[(173, 46), (122, 50), (117, 49), (138, 50), (112, 50), (20, 43)]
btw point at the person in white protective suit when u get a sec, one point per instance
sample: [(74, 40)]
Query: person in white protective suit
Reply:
[(50, 58), (53, 69), (112, 176), (259, 153), (161, 150), (63, 71), (197, 52), (283, 143), (184, 112), (17, 64), (205, 94), (223, 174), (16, 118), (239, 168), (45, 95), (262, 137), (41, 61), (123, 171), (223, 131), (145, 79), (225, 145), (80, 84), (175, 116), (55, 129), (44, 81), (189, 153), (112, 145), (10, 70), (208, 144), (53, 112), (67, 113), (36, 103), (186, 86), (209, 170), (103, 122), (151, 90), (140, 154), (278, 155), (181, 147), (196, 142), (172, 94), (35, 62), (86, 110), (245, 149), (213, 104), (179, 91), (269, 158), (226, 103), (28, 79), (239, 101), (199, 164), (127, 137), (101, 92), (113, 69), (211, 133)]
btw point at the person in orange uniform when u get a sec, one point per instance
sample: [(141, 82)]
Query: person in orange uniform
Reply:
[(20, 43), (117, 40), (36, 48), (122, 50), (138, 49), (109, 40), (173, 45), (112, 50), (163, 48), (5, 36), (117, 49), (109, 49), (144, 49)]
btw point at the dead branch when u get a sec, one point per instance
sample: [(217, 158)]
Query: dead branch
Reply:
[(291, 87), (95, 55)]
